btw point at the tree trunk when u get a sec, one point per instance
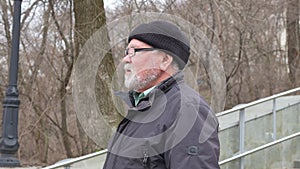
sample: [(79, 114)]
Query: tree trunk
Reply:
[(64, 125), (214, 65), (293, 40), (65, 76), (89, 18)]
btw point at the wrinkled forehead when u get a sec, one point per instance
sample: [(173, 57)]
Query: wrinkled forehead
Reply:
[(134, 43)]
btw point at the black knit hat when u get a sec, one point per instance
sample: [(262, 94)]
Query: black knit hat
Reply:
[(166, 36)]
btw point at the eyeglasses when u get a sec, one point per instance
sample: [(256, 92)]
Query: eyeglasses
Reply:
[(131, 51)]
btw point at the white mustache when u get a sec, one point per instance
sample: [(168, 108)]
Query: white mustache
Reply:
[(128, 67)]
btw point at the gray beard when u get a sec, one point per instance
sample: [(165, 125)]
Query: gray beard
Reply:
[(137, 82)]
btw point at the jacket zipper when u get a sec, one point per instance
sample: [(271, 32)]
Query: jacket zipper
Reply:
[(145, 160)]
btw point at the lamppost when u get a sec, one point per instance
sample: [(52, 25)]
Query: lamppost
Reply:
[(9, 140)]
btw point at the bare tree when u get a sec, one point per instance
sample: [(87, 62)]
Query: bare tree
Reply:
[(89, 18), (293, 41)]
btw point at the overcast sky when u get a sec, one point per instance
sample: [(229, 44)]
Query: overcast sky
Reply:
[(109, 3)]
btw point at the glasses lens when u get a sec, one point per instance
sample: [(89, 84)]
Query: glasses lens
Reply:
[(129, 51)]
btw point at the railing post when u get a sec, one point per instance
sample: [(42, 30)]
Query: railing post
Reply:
[(274, 120), (242, 136)]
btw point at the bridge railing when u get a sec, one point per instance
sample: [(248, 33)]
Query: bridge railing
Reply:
[(67, 163), (241, 110)]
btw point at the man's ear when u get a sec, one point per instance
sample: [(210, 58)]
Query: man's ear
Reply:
[(166, 62)]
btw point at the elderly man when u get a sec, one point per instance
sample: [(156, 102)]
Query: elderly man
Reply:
[(168, 124)]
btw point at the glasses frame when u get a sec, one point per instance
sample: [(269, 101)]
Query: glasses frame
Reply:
[(137, 50)]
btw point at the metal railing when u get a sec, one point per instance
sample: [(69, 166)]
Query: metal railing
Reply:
[(242, 152), (260, 148), (241, 125), (69, 162)]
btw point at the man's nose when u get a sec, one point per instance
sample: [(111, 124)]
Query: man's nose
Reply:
[(126, 59)]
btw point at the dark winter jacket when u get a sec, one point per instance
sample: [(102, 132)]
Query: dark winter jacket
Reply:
[(171, 128)]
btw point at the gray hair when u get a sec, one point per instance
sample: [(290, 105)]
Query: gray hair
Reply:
[(175, 65)]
